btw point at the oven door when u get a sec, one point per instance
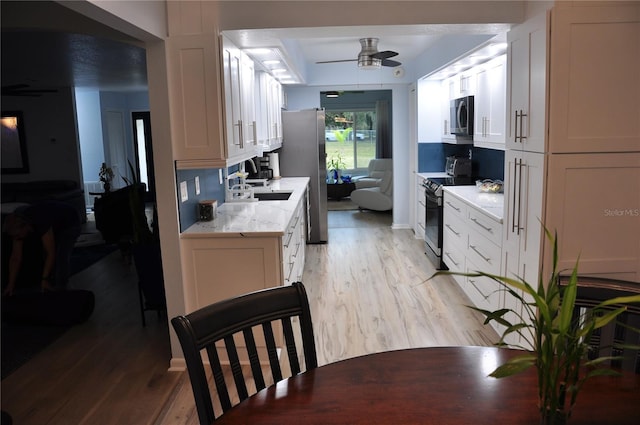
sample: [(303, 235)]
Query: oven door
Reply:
[(433, 222)]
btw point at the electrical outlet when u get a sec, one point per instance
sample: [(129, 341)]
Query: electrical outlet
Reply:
[(197, 185), (184, 195)]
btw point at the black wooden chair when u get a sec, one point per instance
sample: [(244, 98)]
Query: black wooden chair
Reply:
[(285, 307), (606, 341)]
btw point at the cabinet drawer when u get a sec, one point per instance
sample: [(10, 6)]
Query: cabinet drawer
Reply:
[(453, 257), (484, 292), (454, 207), (485, 225), (484, 253), (454, 231)]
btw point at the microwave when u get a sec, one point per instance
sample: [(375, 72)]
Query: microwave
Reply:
[(462, 116)]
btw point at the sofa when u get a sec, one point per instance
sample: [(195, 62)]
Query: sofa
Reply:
[(375, 172), (32, 192), (377, 198)]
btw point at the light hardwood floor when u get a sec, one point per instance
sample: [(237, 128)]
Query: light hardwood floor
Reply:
[(369, 291)]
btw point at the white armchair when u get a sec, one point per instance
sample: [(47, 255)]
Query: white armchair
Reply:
[(378, 198), (376, 171)]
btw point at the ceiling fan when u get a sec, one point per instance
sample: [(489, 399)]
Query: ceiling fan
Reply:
[(24, 90), (370, 57)]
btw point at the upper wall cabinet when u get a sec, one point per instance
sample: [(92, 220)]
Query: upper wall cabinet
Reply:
[(195, 106), (526, 79), (239, 95), (269, 112), (597, 109), (489, 103)]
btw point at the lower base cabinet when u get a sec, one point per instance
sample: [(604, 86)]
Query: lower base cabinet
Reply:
[(218, 267)]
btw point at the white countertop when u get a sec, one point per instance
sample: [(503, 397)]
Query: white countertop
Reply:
[(490, 203), (258, 218)]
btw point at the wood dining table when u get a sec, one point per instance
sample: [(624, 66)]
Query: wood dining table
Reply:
[(438, 385)]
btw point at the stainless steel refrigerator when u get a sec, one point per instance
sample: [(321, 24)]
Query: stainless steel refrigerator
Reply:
[(303, 154)]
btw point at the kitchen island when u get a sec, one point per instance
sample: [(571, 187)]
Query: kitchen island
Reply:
[(249, 246)]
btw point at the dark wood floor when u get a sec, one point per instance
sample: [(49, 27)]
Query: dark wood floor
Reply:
[(109, 370)]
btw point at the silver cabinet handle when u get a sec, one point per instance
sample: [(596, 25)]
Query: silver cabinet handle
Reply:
[(451, 258), (522, 115), (488, 229), (453, 206), (488, 260), (451, 228), (255, 134)]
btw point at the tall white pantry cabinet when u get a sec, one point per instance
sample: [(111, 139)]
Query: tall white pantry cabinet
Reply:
[(573, 142)]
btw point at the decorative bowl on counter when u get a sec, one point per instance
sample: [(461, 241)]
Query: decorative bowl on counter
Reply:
[(489, 186)]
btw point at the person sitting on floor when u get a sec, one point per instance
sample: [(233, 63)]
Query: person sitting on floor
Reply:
[(57, 226)]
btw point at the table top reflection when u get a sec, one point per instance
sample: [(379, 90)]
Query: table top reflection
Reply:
[(440, 385)]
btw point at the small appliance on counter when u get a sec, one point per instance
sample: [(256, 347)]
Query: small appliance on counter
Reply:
[(258, 168), (207, 210), (458, 166)]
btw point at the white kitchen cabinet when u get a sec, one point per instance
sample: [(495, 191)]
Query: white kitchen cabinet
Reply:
[(447, 93), (218, 266), (527, 83), (594, 201), (522, 236), (489, 104), (293, 246), (596, 110), (239, 96), (420, 208), (269, 113), (472, 241), (193, 66)]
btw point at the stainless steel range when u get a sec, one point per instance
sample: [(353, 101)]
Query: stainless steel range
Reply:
[(433, 220)]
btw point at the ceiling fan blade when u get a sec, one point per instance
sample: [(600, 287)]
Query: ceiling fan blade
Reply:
[(391, 63), (384, 55), (341, 60)]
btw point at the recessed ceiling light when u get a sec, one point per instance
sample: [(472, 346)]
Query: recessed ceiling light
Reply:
[(332, 94), (261, 51), (271, 62)]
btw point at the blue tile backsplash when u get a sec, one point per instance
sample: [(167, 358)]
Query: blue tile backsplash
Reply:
[(210, 188), (487, 163)]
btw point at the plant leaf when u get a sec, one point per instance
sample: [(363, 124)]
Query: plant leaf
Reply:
[(514, 365)]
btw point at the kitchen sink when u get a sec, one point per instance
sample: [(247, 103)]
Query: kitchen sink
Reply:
[(272, 196)]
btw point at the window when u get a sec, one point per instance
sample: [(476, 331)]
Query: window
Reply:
[(351, 137)]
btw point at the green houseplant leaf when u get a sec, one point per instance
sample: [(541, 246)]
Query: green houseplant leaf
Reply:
[(558, 343)]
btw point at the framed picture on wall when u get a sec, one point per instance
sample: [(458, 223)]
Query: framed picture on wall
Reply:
[(14, 145)]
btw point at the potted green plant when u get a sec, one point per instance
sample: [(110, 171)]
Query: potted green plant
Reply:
[(105, 175), (335, 166), (559, 343)]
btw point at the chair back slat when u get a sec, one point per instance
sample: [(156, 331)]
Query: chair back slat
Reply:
[(254, 359), (272, 351), (208, 327), (218, 377), (290, 342), (236, 367)]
